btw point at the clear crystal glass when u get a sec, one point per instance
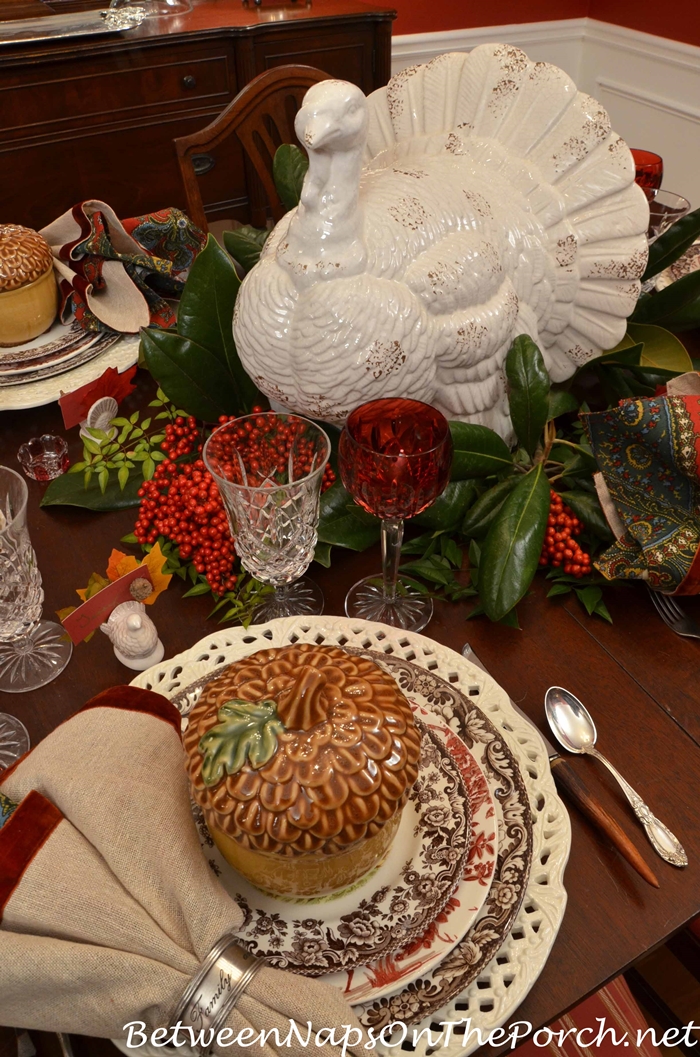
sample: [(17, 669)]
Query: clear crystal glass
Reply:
[(269, 469), (32, 651)]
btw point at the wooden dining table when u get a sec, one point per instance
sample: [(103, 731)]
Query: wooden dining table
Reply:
[(638, 679)]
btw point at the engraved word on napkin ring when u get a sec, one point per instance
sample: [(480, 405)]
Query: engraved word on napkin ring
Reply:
[(216, 987)]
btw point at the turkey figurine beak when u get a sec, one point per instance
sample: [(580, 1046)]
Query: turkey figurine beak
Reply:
[(315, 130)]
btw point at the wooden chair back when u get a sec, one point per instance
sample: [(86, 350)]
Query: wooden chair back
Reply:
[(262, 118)]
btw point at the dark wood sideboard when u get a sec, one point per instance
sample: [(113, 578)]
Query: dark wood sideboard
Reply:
[(95, 117)]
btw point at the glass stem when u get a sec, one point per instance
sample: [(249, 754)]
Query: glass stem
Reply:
[(392, 537)]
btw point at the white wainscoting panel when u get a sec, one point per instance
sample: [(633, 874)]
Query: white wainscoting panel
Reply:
[(558, 42), (649, 85)]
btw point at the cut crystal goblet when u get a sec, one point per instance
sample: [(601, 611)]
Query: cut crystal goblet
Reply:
[(32, 651), (269, 470)]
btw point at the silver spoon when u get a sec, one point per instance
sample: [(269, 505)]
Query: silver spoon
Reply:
[(574, 728)]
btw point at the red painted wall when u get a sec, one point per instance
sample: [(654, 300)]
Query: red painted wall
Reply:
[(426, 16), (679, 21), (682, 21)]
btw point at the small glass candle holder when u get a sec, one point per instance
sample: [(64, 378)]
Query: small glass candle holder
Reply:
[(43, 458)]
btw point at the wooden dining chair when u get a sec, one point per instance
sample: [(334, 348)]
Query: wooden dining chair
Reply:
[(262, 118)]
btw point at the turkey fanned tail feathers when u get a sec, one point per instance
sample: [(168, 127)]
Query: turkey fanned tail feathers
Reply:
[(495, 200)]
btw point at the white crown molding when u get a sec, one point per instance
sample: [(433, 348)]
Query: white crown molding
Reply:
[(638, 95)]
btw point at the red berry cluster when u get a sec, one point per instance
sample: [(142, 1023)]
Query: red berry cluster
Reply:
[(182, 503), (560, 547), (264, 445)]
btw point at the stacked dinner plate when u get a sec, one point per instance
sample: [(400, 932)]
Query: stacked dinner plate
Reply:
[(59, 361), (458, 921)]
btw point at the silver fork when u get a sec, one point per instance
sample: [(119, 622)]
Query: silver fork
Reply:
[(672, 614)]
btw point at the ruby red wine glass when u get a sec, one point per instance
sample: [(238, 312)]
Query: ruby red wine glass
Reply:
[(395, 457), (269, 470), (648, 171)]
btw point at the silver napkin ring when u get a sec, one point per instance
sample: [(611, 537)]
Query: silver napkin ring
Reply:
[(216, 988)]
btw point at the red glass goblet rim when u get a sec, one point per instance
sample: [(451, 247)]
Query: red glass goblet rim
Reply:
[(414, 407), (645, 157), (283, 417)]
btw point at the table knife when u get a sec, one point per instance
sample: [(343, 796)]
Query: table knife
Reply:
[(578, 792)]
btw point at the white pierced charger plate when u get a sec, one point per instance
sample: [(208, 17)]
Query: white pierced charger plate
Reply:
[(381, 914), (501, 984), (122, 353)]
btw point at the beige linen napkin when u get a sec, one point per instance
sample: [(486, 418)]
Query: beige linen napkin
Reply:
[(107, 905)]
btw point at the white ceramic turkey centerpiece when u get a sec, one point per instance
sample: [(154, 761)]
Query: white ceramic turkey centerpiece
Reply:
[(475, 198)]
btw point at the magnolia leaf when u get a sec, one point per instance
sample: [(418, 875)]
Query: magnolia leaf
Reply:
[(289, 168), (586, 507), (661, 348), (322, 554), (449, 508), (477, 451), (344, 524), (479, 517), (677, 307), (245, 245), (672, 244), (528, 391), (561, 402), (192, 377), (246, 731), (512, 549), (68, 490)]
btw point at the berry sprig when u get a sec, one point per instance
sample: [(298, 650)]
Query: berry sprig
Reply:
[(560, 547)]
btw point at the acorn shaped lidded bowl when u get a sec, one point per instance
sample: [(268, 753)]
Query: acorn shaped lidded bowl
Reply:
[(28, 289), (302, 759)]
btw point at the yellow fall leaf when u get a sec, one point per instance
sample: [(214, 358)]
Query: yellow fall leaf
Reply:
[(154, 562)]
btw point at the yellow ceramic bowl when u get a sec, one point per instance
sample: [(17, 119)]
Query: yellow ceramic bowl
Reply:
[(28, 311)]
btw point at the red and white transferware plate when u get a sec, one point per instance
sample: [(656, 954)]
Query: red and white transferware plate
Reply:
[(383, 977)]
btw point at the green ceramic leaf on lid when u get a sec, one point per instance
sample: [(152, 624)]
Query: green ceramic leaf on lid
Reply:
[(246, 732)]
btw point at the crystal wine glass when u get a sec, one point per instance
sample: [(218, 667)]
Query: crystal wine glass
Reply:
[(32, 651), (395, 457), (269, 469)]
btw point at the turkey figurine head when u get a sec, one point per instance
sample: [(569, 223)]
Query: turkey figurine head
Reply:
[(334, 116), (473, 199)]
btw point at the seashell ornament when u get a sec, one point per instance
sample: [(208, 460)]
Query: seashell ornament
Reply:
[(99, 417)]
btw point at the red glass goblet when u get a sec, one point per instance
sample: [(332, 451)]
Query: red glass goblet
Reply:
[(395, 457), (649, 171)]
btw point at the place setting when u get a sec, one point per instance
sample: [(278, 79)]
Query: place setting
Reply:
[(453, 348)]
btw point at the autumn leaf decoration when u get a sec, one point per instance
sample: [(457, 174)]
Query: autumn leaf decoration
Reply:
[(247, 730)]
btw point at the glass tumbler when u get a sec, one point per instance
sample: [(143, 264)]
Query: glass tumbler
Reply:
[(269, 469), (32, 651)]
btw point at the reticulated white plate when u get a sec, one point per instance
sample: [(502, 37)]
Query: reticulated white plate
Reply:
[(503, 982), (122, 354), (382, 913)]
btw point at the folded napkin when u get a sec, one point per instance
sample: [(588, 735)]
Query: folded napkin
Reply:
[(107, 905), (114, 274), (648, 451)]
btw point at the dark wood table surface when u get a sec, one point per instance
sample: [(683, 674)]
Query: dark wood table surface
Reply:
[(638, 678)]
